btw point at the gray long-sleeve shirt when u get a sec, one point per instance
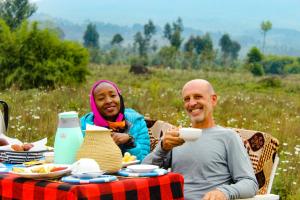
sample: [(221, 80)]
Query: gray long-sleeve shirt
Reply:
[(217, 159)]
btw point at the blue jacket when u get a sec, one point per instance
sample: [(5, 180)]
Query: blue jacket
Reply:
[(137, 129)]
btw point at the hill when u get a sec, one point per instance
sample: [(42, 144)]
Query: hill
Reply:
[(281, 41)]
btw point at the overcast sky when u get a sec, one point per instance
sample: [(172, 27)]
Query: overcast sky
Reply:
[(282, 13)]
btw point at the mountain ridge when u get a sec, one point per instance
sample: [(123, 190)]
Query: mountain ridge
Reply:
[(282, 41)]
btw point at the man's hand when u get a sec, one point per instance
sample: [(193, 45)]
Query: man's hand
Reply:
[(215, 195), (120, 138), (171, 139)]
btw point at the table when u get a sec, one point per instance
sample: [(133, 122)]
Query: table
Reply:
[(169, 186)]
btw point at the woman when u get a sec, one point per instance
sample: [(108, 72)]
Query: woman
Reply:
[(130, 132)]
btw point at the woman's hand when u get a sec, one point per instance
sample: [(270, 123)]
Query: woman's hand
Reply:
[(120, 138)]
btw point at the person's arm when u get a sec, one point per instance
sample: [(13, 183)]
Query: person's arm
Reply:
[(245, 184), (159, 157), (162, 154), (139, 132)]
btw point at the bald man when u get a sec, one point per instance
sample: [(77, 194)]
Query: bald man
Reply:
[(216, 166)]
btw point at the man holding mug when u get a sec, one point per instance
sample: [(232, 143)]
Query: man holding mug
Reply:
[(216, 166)]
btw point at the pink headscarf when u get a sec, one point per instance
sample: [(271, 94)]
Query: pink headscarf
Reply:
[(98, 119)]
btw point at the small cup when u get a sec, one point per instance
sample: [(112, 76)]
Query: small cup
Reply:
[(190, 134), (49, 157)]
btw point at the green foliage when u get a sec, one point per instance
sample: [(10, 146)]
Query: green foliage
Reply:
[(96, 56), (91, 37), (276, 64), (173, 34), (256, 69), (138, 61), (140, 41), (149, 30), (254, 55), (229, 48), (293, 68), (199, 45), (168, 31), (273, 82), (117, 39), (265, 26), (168, 56), (31, 57), (13, 12)]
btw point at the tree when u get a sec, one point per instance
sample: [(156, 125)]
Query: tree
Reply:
[(143, 40), (234, 50), (229, 48), (176, 39), (265, 27), (200, 45), (173, 34), (189, 45), (168, 31), (141, 43), (225, 43), (254, 55), (254, 62), (13, 12), (117, 39), (149, 30), (91, 37)]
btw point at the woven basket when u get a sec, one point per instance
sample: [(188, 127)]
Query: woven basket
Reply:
[(99, 145)]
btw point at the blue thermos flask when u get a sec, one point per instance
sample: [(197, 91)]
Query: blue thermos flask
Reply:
[(68, 138)]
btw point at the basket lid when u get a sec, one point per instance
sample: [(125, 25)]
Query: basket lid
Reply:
[(70, 114)]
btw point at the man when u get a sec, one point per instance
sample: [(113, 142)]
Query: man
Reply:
[(215, 166)]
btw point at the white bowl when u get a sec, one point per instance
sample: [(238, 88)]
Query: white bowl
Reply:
[(142, 168), (190, 134), (85, 166)]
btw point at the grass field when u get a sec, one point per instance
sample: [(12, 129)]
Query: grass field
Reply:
[(244, 101)]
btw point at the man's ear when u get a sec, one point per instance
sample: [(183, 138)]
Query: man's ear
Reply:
[(214, 99)]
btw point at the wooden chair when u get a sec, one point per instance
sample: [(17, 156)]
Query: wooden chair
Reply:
[(261, 147)]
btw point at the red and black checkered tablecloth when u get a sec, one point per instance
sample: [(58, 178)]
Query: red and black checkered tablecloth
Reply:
[(169, 186)]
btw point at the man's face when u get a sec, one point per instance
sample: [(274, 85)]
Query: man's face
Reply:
[(107, 101), (198, 103)]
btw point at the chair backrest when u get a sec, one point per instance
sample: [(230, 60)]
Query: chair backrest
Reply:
[(156, 129), (261, 147)]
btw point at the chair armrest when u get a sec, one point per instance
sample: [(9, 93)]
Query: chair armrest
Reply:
[(276, 161)]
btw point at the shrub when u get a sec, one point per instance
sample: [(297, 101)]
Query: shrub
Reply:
[(31, 58), (254, 55), (293, 68), (276, 64), (256, 69), (272, 81)]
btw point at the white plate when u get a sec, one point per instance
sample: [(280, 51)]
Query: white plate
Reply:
[(142, 168), (125, 164), (55, 174), (89, 175)]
